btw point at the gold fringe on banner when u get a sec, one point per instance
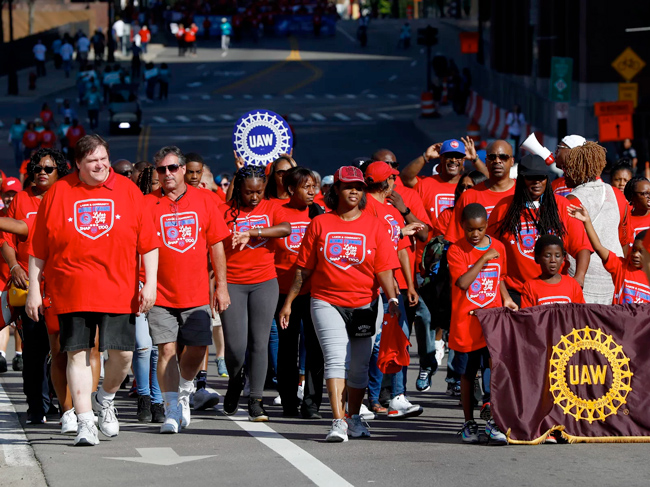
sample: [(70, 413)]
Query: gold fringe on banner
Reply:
[(536, 441), (578, 439)]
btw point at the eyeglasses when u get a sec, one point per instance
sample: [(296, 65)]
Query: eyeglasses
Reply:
[(173, 168), (645, 194), (47, 169), (502, 157)]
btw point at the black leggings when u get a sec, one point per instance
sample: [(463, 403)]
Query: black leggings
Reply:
[(36, 347)]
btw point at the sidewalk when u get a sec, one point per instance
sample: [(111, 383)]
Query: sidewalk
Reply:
[(450, 125)]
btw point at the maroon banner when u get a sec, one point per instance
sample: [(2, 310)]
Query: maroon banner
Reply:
[(582, 369)]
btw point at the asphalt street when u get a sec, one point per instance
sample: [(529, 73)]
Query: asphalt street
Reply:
[(343, 102)]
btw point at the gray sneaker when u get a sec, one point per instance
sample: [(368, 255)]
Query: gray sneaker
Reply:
[(203, 399), (339, 431), (357, 428), (494, 434), (469, 432), (86, 434), (107, 417), (221, 367)]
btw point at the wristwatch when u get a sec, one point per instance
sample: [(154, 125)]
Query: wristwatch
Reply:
[(407, 212)]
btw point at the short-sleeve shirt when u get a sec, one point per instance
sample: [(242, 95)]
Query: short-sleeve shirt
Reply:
[(466, 334), (637, 225), (287, 248), (39, 52), (256, 262), (187, 229), (560, 188), (436, 195), (47, 139), (24, 207), (345, 257), (89, 237), (630, 284), (537, 292)]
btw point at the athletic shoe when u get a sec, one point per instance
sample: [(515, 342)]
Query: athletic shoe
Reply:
[(17, 363), (378, 408), (231, 400), (157, 413), (203, 399), (424, 379), (551, 439), (308, 413), (256, 412), (107, 415), (221, 367), (494, 433), (69, 424), (486, 412), (440, 351), (36, 419), (365, 413), (469, 432), (357, 428), (277, 401), (384, 396), (86, 434), (301, 391), (3, 364), (339, 431), (173, 419), (184, 405), (144, 409), (400, 408), (453, 389)]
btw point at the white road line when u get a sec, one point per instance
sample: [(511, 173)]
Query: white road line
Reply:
[(331, 97), (289, 97), (412, 96), (392, 78), (205, 97), (338, 28), (318, 117), (227, 97), (296, 117), (182, 118), (351, 96), (363, 116), (14, 443), (340, 116), (207, 118), (160, 119), (267, 97), (226, 117), (392, 96), (385, 116), (247, 97), (370, 95), (310, 97), (185, 97)]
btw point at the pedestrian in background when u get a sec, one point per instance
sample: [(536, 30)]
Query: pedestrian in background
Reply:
[(56, 50), (16, 132), (39, 56), (145, 38), (516, 122), (66, 55), (226, 32), (99, 44), (163, 78), (83, 47)]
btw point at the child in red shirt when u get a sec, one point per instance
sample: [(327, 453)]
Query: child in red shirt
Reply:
[(477, 265), (551, 286)]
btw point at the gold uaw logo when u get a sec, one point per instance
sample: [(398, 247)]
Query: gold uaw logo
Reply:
[(607, 376)]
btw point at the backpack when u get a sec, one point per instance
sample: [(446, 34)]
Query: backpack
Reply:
[(436, 287)]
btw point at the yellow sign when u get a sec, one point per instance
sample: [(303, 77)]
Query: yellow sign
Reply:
[(571, 378), (628, 92), (628, 64)]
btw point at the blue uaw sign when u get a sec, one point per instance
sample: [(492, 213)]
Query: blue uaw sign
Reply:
[(261, 136)]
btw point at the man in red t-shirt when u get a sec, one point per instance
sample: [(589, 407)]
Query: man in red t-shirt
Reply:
[(190, 226), (87, 233)]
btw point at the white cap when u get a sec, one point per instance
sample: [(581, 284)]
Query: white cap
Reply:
[(329, 179), (573, 141)]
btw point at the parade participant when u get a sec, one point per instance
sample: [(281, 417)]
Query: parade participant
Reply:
[(637, 192), (275, 190), (252, 285), (325, 185), (550, 286), (16, 132), (534, 210), (123, 168), (138, 167), (349, 255), (298, 211), (561, 153), (187, 219), (180, 38), (30, 140), (46, 114), (226, 32), (620, 174), (631, 284), (190, 38), (47, 138), (468, 180), (477, 267), (66, 246)]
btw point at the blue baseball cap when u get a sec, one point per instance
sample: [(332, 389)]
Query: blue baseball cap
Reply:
[(452, 145)]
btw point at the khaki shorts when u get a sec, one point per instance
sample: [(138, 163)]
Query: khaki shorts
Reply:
[(186, 326)]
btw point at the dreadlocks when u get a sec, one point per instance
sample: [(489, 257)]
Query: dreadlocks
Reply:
[(145, 180), (585, 163), (547, 218), (246, 172)]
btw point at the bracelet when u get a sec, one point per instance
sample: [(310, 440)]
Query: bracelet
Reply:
[(424, 156), (407, 212), (259, 233), (401, 235), (393, 300), (12, 269)]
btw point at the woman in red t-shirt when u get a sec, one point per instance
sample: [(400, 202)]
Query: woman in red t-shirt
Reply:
[(298, 211), (30, 140), (637, 192), (252, 285), (350, 255), (47, 115), (275, 190)]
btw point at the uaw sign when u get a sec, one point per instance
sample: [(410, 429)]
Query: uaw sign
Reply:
[(261, 136), (586, 370)]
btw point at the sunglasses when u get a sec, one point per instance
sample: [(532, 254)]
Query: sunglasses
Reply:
[(173, 169), (125, 173), (501, 157), (47, 169), (224, 184), (281, 172)]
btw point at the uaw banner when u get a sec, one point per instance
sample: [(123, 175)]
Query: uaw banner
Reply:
[(581, 369)]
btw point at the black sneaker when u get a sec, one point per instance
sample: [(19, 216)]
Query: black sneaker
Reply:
[(157, 413), (231, 399), (486, 412), (17, 363), (144, 409), (256, 412), (384, 396), (3, 364), (308, 413)]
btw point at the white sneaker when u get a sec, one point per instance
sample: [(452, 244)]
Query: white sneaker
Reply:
[(357, 428), (184, 407), (107, 417), (400, 407), (277, 401), (204, 399), (339, 431), (301, 391), (365, 413), (440, 351), (69, 425), (173, 420), (87, 434)]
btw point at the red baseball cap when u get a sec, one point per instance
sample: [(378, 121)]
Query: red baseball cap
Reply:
[(11, 184), (349, 174), (380, 171)]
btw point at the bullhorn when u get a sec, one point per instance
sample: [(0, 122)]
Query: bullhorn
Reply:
[(532, 145)]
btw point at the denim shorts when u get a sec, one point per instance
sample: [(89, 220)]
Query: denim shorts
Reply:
[(186, 326), (78, 330), (468, 363)]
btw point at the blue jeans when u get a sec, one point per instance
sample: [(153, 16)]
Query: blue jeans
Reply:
[(302, 351), (425, 333), (273, 351), (145, 362)]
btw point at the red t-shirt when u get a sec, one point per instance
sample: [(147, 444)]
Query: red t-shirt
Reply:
[(478, 194), (145, 35), (646, 242), (74, 134), (187, 228), (637, 225), (47, 139), (560, 188), (319, 199), (30, 139), (345, 257), (180, 34), (436, 195), (465, 334), (46, 116), (220, 194), (88, 237), (190, 34), (442, 224), (630, 284), (287, 248), (537, 292), (24, 207), (520, 250), (256, 262), (4, 267)]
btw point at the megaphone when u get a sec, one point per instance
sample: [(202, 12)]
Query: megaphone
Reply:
[(531, 144)]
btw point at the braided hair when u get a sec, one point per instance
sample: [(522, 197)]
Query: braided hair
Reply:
[(585, 163), (547, 220), (145, 179), (246, 172)]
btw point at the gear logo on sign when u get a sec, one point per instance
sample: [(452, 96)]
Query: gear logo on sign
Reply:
[(261, 136)]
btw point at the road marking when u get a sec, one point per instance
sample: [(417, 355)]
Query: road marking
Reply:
[(196, 84), (318, 117), (392, 96), (227, 117), (338, 28), (160, 456), (207, 118), (267, 97), (247, 97), (414, 63), (14, 443), (363, 116), (340, 116), (160, 119), (370, 95), (205, 97), (311, 97), (296, 117), (392, 78), (289, 97), (185, 97), (412, 97), (227, 97), (205, 74), (400, 107), (385, 116), (182, 118), (331, 97), (351, 96)]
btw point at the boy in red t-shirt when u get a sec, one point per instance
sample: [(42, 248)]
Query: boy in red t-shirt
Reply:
[(551, 286), (476, 268)]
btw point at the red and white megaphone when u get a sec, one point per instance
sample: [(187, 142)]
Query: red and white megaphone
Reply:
[(531, 144)]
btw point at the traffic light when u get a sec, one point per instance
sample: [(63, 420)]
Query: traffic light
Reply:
[(428, 36)]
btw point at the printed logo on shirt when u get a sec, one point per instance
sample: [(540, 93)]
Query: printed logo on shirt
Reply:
[(258, 221), (394, 231), (554, 300), (344, 249), (635, 292), (485, 287), (180, 231), (527, 238), (294, 240), (562, 191), (489, 209), (94, 218), (30, 214), (444, 201)]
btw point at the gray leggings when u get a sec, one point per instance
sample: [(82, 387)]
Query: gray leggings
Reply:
[(345, 358), (247, 324)]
